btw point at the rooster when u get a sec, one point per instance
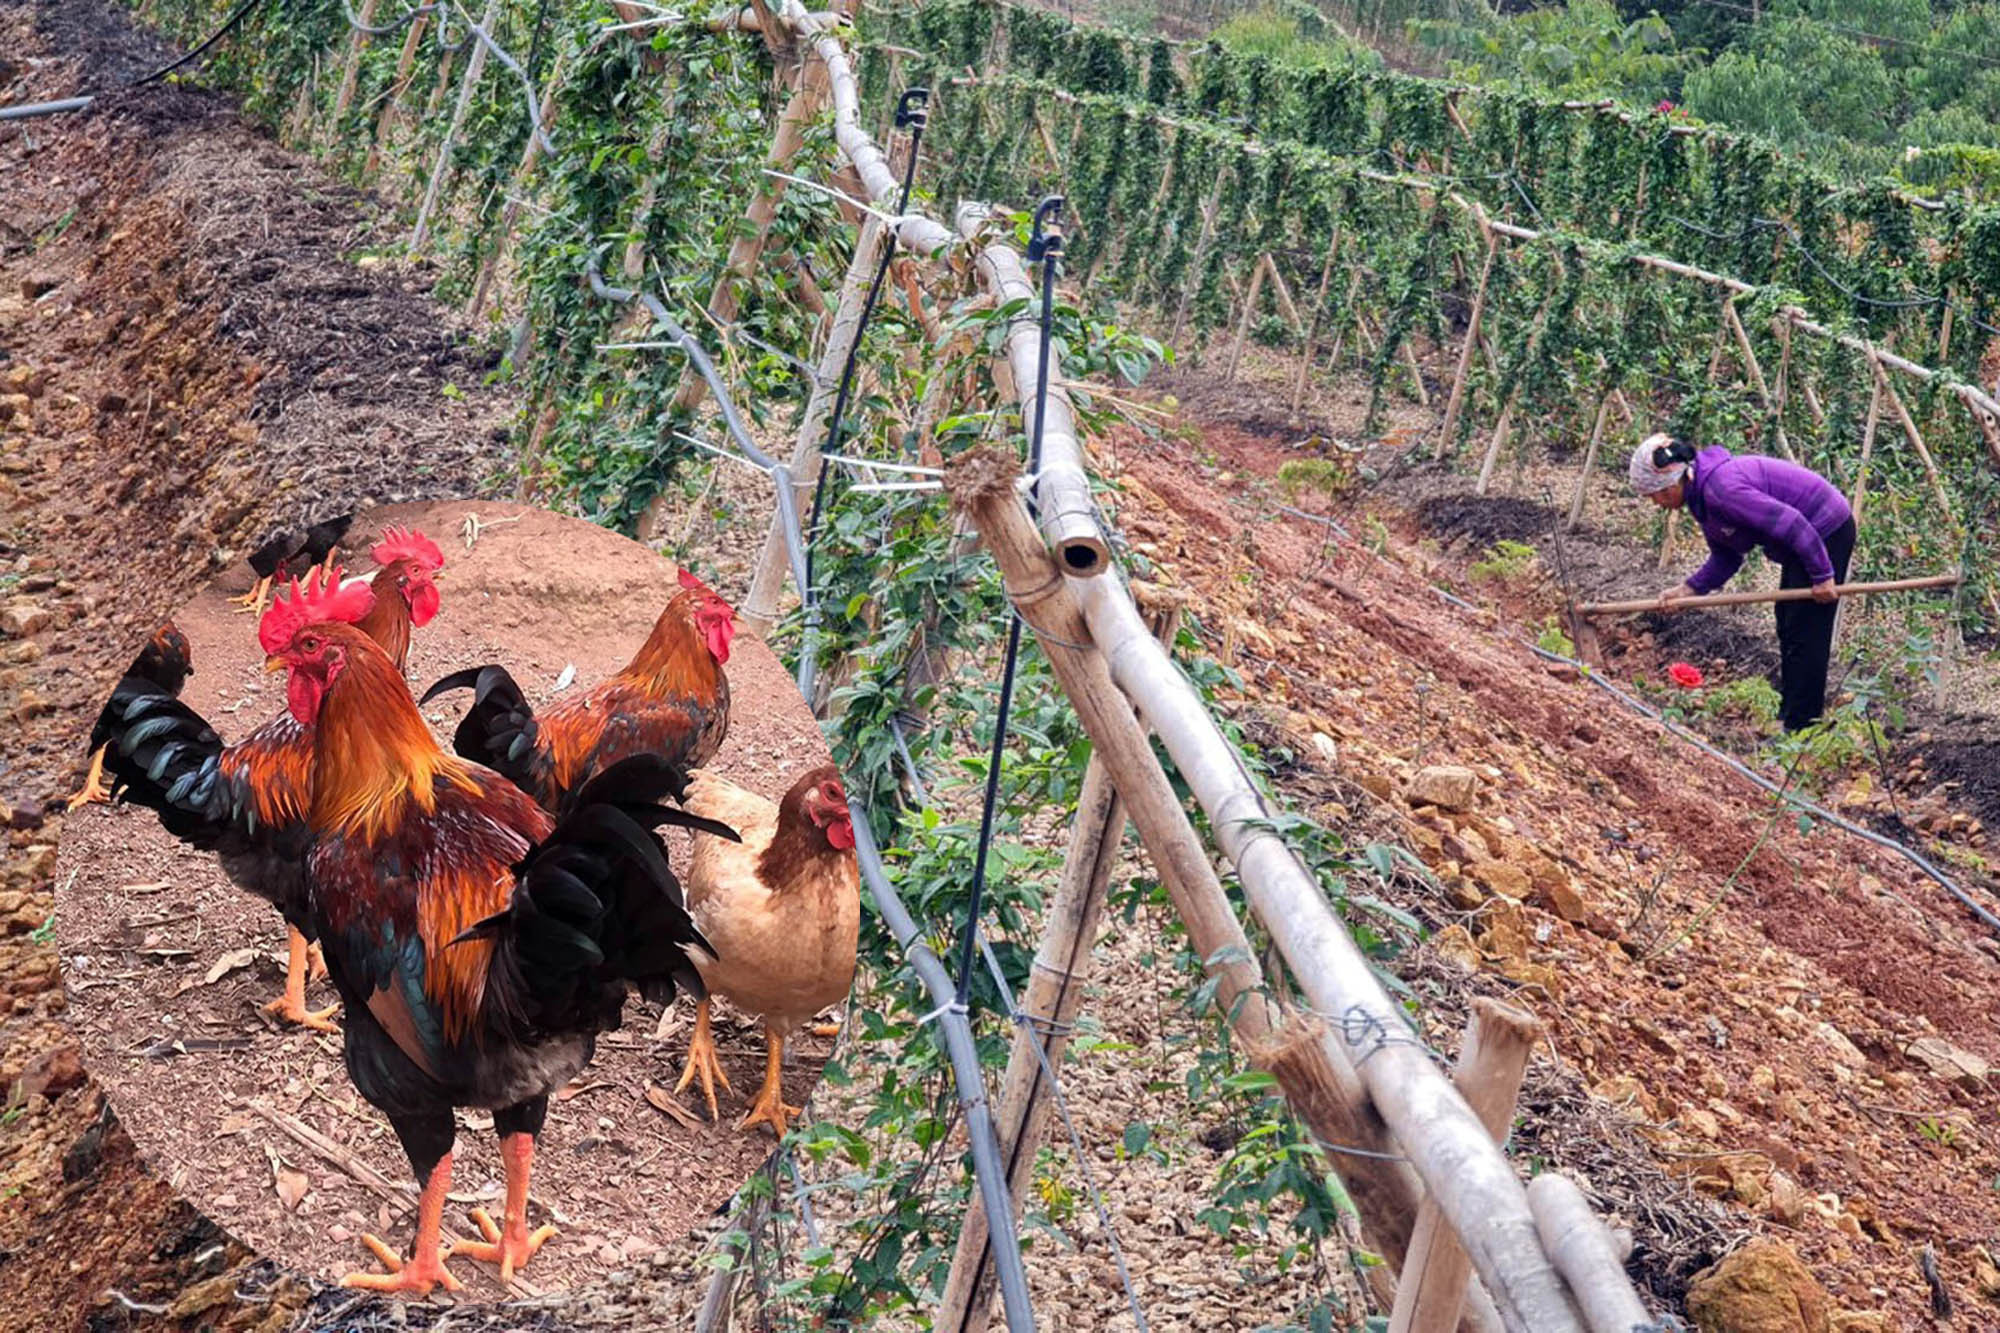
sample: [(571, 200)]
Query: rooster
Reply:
[(164, 664), (783, 905), (293, 552), (252, 811), (671, 700), (478, 943)]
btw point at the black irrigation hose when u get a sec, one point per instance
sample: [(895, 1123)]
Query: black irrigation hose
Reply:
[(1044, 248), (241, 11), (910, 114), (968, 945)]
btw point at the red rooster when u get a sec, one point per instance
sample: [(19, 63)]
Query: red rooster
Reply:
[(479, 944), (783, 905), (671, 700), (251, 812)]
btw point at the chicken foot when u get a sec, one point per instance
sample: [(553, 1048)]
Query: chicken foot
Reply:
[(94, 791), (769, 1108), (291, 1006), (511, 1245), (424, 1268), (703, 1061), (253, 601)]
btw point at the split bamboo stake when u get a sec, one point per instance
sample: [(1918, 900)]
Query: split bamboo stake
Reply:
[(760, 605), (1456, 402), (1340, 329), (1867, 450), (1312, 328), (1667, 537), (1587, 1254), (1416, 373), (1589, 463), (1638, 604), (1505, 424), (1491, 1065), (467, 85), (1915, 436), (504, 233), (392, 105), (1473, 1182), (1054, 995), (1756, 374), (350, 74), (1312, 1068), (1243, 320)]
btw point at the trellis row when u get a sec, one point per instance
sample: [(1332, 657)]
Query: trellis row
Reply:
[(1704, 195)]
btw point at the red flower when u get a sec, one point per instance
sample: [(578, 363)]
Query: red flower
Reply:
[(1664, 107), (1686, 676)]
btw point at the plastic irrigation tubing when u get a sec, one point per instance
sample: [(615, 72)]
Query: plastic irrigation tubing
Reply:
[(1817, 811), (991, 802), (957, 1031), (788, 513), (527, 84), (354, 21), (28, 110)]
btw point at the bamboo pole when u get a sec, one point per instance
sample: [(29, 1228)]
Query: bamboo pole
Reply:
[(1587, 1254), (350, 74), (1050, 1004), (531, 153), (1589, 463), (1416, 373), (1491, 1065), (1639, 604), (760, 606), (1444, 1141), (1068, 513), (1456, 402), (1243, 320), (1313, 1069), (1915, 436), (392, 105), (1756, 374), (467, 85), (1867, 449), (1505, 424), (1312, 330)]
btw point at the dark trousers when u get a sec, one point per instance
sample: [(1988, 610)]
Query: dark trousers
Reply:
[(1805, 636)]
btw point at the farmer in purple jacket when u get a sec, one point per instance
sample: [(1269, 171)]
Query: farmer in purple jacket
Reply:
[(1799, 519)]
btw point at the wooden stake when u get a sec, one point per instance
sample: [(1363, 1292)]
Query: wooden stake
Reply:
[(1755, 372), (467, 86), (1506, 421), (1312, 330), (1249, 312), (1491, 1064), (504, 233), (350, 73), (1783, 331), (1667, 538), (1416, 373), (1915, 437), (1283, 292), (1051, 1002), (1867, 449), (1589, 463), (1586, 1254), (1944, 328), (392, 104), (1456, 402)]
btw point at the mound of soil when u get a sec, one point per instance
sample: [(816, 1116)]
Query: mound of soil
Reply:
[(1973, 762), (1483, 520)]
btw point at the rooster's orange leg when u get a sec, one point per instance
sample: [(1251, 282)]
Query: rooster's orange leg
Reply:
[(425, 1267), (315, 962), (511, 1245), (254, 599), (769, 1108), (291, 1006), (93, 790), (703, 1062)]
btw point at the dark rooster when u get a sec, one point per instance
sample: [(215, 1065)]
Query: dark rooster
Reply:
[(164, 664), (291, 554), (480, 945), (251, 809), (671, 700)]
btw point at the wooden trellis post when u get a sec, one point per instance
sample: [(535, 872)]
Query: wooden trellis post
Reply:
[(350, 74), (393, 103), (1911, 432), (1867, 448), (1586, 1254), (467, 86), (1589, 461), (1312, 328), (1505, 424), (504, 233), (1243, 320), (1053, 996), (1456, 402)]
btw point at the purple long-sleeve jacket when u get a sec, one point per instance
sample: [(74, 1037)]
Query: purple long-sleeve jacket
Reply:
[(1757, 501)]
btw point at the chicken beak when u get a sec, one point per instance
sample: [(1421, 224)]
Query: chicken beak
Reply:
[(274, 663)]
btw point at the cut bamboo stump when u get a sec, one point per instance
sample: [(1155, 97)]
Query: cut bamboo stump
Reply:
[(1587, 1254), (1491, 1065), (1050, 1004), (1637, 605)]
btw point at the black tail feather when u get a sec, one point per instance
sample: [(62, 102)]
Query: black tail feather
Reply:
[(164, 755), (499, 729)]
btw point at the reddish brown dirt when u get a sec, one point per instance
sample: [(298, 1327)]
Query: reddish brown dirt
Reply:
[(143, 923), (1776, 1039)]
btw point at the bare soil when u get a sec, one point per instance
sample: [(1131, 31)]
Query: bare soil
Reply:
[(166, 962)]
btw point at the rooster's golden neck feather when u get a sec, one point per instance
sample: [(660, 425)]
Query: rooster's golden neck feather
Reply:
[(674, 661), (388, 621), (374, 752)]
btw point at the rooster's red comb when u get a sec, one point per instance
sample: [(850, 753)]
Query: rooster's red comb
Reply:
[(318, 601), (408, 544)]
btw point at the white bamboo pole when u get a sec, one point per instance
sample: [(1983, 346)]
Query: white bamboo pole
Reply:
[(1068, 514), (504, 233), (1243, 320), (1498, 441), (467, 85), (1312, 328), (1474, 1184), (1589, 463), (1867, 448), (1587, 1255), (1456, 403)]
